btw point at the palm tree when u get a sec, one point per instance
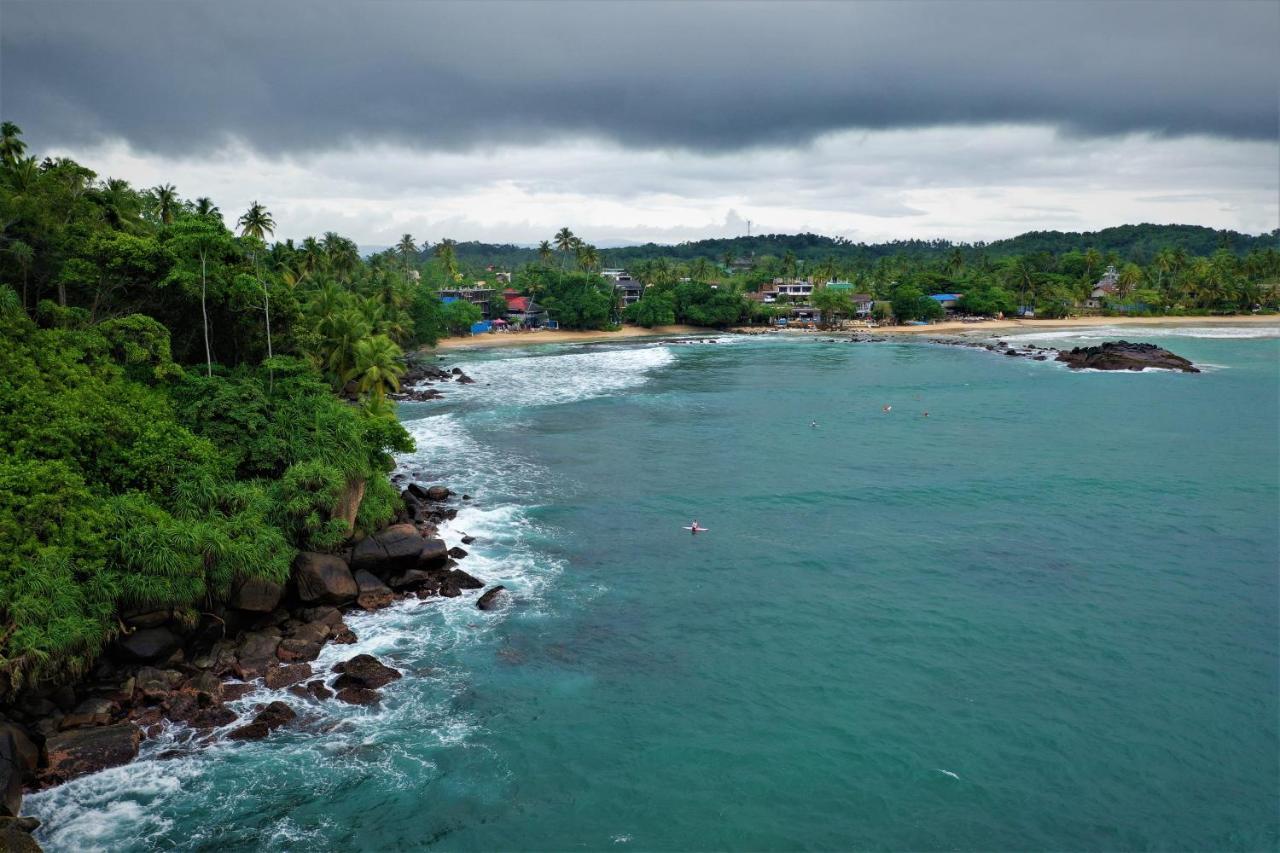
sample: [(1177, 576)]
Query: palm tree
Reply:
[(448, 257), (24, 255), (564, 240), (119, 204), (1092, 261), (11, 145), (206, 207), (544, 252), (348, 328), (166, 198), (728, 260), (377, 366), (407, 249), (588, 257), (256, 223), (1128, 280)]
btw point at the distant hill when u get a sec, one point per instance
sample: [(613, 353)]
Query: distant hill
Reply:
[(1138, 243)]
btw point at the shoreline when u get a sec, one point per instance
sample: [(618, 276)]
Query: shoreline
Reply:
[(1074, 322), (639, 333)]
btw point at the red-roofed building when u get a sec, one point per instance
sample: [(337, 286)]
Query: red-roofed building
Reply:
[(523, 311)]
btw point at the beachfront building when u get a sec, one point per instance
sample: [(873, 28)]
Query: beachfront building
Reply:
[(523, 312), (949, 301), (1106, 288), (793, 289), (629, 290), (613, 273), (478, 296)]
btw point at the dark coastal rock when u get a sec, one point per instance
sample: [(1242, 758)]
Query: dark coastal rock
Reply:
[(80, 751), (464, 580), (249, 731), (413, 579), (438, 493), (492, 599), (1122, 355), (149, 644), (205, 686), (374, 594), (317, 689), (275, 715), (295, 650), (15, 835), (257, 651), (359, 696), (94, 711), (10, 775), (323, 579), (283, 676), (153, 685), (434, 553), (457, 553), (257, 595), (343, 636), (467, 540), (27, 753), (394, 549), (236, 690), (146, 619), (364, 671)]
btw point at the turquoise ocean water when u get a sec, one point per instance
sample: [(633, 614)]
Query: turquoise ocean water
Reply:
[(1045, 616)]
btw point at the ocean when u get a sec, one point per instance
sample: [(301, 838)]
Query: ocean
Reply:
[(1045, 616)]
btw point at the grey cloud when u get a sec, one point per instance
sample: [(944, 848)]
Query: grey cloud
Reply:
[(182, 78)]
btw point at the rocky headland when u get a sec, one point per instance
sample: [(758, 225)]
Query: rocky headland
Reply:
[(167, 670)]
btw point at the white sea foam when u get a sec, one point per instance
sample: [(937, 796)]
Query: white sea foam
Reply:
[(545, 379), (1137, 332)]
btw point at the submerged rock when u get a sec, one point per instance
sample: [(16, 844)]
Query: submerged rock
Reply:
[(364, 671), (1122, 355), (492, 599)]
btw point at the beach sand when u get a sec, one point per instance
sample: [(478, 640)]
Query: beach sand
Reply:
[(526, 339)]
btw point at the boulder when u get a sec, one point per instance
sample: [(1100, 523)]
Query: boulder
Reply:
[(457, 553), (438, 493), (146, 619), (434, 554), (249, 731), (10, 775), (492, 599), (343, 636), (294, 650), (323, 579), (146, 645), (15, 835), (236, 690), (153, 685), (416, 491), (374, 594), (257, 595), (412, 579), (91, 712), (28, 753), (1122, 355), (80, 751), (394, 549), (276, 714), (317, 689), (328, 615), (205, 686), (464, 580), (212, 718), (283, 676), (364, 671), (257, 651), (359, 696)]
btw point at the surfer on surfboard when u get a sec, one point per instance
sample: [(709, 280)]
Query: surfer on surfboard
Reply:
[(694, 528)]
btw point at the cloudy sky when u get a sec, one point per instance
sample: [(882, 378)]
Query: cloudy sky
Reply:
[(665, 121)]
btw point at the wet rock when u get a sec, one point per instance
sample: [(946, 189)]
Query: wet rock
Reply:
[(153, 685), (275, 715), (417, 491), (283, 676), (205, 686), (295, 650), (15, 835), (328, 615), (457, 553), (236, 690), (10, 775), (364, 671), (492, 599), (80, 751), (257, 651), (26, 752), (146, 645), (464, 580), (90, 712), (344, 636), (212, 718), (249, 731), (359, 696), (394, 549), (467, 540), (317, 689), (438, 493), (412, 579), (434, 554), (374, 594), (257, 595), (323, 579), (1122, 355)]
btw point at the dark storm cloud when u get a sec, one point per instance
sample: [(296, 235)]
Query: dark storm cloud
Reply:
[(179, 77)]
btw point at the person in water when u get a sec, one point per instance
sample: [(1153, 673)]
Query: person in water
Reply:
[(693, 527)]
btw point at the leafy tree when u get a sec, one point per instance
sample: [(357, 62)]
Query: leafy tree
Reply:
[(652, 309), (460, 315)]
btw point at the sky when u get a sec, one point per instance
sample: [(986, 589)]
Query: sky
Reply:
[(631, 122)]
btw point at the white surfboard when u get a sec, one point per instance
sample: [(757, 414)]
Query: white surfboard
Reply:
[(697, 530)]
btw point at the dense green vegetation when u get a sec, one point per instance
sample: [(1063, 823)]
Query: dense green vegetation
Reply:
[(181, 407)]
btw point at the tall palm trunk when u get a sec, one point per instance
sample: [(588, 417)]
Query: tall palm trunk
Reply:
[(204, 311)]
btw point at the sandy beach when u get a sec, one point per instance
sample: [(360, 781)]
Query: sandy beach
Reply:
[(543, 336), (523, 339)]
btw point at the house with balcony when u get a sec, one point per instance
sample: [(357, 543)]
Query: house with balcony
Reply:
[(478, 296), (1104, 289), (629, 290)]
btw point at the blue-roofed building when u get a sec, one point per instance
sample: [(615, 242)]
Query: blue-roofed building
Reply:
[(948, 301)]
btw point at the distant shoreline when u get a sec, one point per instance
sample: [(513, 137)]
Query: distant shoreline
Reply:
[(630, 333)]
